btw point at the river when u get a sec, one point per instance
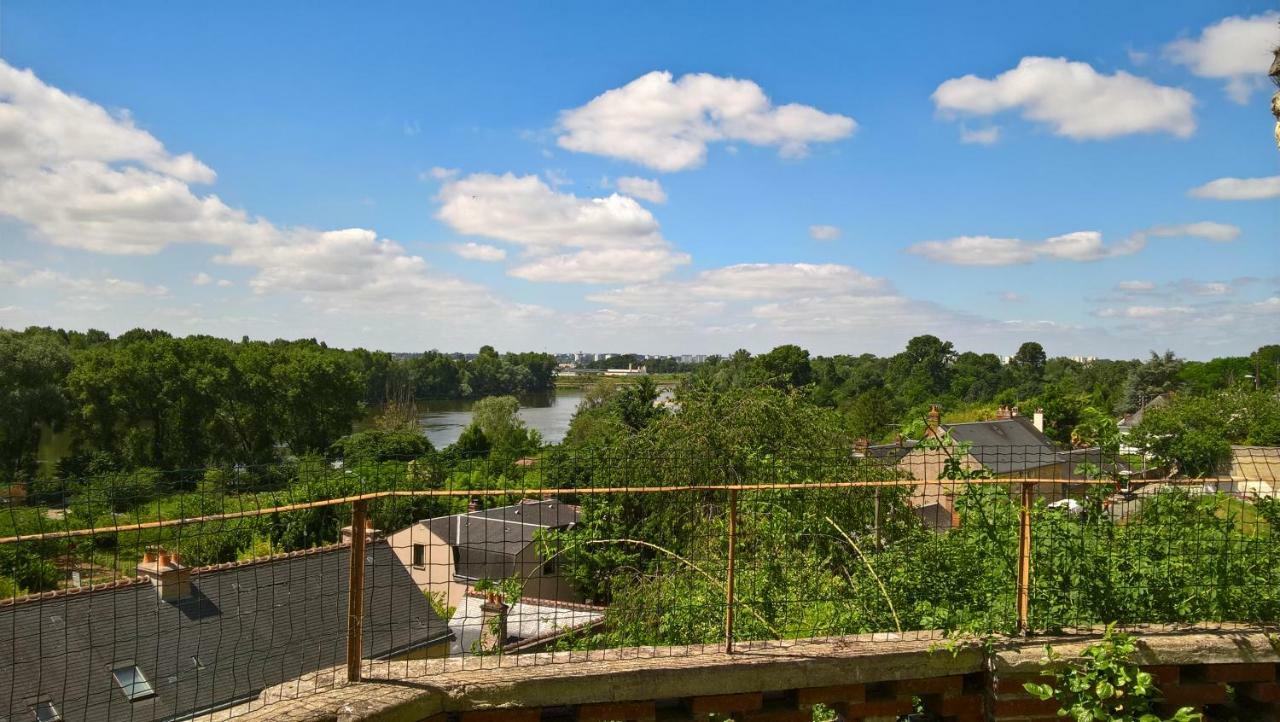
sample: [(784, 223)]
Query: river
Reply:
[(547, 413)]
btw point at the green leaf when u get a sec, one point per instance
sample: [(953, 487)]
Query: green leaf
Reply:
[(1039, 691)]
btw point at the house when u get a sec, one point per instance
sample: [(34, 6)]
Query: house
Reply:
[(447, 555), (529, 625), (1132, 419), (1252, 470), (180, 642), (1010, 446)]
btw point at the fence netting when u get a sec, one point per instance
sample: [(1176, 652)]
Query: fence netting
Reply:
[(156, 595)]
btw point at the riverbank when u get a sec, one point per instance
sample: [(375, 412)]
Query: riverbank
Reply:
[(587, 381)]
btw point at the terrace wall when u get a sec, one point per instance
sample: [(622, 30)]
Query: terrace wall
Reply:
[(1221, 672)]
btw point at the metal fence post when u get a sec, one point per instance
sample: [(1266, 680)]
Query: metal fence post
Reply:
[(728, 587), (355, 589), (1024, 560)]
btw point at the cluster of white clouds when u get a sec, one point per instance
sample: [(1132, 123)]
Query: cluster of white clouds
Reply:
[(1077, 246), (83, 178), (562, 237), (666, 124), (1235, 48), (1073, 99)]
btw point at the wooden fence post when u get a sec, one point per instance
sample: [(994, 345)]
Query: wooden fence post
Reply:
[(728, 587), (1024, 560), (355, 589)]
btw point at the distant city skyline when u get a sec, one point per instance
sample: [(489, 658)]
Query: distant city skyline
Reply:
[(1101, 178)]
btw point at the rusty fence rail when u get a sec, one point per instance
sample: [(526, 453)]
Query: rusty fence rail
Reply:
[(149, 595)]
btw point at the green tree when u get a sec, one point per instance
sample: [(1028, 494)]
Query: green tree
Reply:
[(786, 366), (922, 371), (1190, 433), (1158, 375), (32, 370)]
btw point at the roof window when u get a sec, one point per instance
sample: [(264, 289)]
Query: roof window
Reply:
[(132, 682)]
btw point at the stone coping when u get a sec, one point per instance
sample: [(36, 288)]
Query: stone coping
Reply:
[(409, 691)]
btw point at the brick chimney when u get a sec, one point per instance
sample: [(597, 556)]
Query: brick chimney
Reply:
[(166, 573), (862, 446), (1037, 420), (493, 622), (473, 505), (934, 418), (370, 534), (1004, 412)]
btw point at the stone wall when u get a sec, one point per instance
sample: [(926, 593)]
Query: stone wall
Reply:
[(869, 679)]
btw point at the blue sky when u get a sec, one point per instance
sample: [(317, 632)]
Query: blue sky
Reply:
[(408, 177)]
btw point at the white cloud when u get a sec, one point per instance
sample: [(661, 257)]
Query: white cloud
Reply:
[(479, 252), (746, 282), (1077, 246), (557, 178), (224, 283), (1073, 99), (823, 232), (438, 173), (563, 237), (83, 178), (1135, 286), (666, 124), (981, 136), (1144, 312), (76, 292), (1207, 230), (646, 189), (1011, 297), (201, 279), (1239, 189), (1211, 288), (1236, 48)]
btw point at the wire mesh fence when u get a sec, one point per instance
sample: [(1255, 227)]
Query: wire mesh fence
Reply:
[(166, 595)]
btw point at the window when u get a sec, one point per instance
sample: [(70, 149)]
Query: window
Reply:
[(132, 682), (46, 712), (419, 555)]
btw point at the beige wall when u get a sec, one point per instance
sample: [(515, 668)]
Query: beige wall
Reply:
[(436, 575)]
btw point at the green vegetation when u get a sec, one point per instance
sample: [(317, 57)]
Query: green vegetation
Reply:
[(262, 425), (1104, 685)]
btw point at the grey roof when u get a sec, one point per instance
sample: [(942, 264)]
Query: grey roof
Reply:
[(245, 627), (888, 453), (1131, 420), (488, 541), (1006, 445)]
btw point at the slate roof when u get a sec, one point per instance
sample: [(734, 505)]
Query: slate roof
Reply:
[(1006, 445), (486, 543), (246, 627)]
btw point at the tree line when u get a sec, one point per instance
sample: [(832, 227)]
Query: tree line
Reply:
[(150, 399)]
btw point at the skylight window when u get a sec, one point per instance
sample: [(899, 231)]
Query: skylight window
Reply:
[(132, 682), (46, 712)]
